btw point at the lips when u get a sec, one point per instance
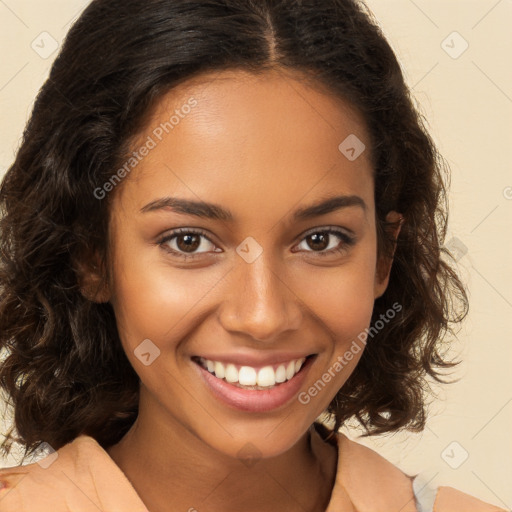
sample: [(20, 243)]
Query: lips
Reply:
[(254, 398)]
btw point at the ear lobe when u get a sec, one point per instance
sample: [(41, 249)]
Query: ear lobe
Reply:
[(92, 280), (385, 262)]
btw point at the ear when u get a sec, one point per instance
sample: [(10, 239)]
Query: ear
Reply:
[(92, 279), (385, 262)]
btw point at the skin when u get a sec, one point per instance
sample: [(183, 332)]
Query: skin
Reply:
[(261, 146)]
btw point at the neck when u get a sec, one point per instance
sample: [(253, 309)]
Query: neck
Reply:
[(168, 464)]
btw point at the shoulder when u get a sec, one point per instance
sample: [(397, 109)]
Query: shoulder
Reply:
[(448, 499), (80, 476), (374, 483), (440, 499)]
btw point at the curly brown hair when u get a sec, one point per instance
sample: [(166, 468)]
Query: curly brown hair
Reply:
[(64, 369)]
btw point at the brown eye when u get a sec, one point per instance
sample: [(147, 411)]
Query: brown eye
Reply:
[(186, 242), (327, 241), (318, 241)]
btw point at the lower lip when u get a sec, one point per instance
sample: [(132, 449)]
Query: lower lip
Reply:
[(252, 400)]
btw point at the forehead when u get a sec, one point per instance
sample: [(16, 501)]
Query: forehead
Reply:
[(264, 142)]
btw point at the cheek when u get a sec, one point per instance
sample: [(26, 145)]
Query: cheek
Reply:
[(342, 298), (156, 301)]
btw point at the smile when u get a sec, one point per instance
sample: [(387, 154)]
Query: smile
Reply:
[(249, 377), (255, 389)]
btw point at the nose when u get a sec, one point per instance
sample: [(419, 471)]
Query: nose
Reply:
[(260, 303)]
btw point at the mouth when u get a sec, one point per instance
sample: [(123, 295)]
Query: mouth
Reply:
[(254, 388), (250, 377)]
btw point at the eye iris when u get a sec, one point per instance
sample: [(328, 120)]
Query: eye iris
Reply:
[(191, 244), (319, 238)]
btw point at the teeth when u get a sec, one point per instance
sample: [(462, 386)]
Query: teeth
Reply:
[(265, 377), (231, 373), (219, 370), (247, 376), (280, 374), (290, 370)]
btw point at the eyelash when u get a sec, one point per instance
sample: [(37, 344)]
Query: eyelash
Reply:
[(346, 240)]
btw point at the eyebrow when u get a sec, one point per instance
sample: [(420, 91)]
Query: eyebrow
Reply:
[(213, 211)]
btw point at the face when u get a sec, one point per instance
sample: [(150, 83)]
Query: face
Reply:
[(244, 258)]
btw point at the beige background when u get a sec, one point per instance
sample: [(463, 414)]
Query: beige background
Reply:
[(467, 102)]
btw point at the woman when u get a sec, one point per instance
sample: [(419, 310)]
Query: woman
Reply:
[(225, 220)]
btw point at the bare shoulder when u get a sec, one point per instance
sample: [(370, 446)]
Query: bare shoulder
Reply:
[(10, 478)]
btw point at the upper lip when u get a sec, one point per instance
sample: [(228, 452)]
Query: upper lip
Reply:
[(256, 360)]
